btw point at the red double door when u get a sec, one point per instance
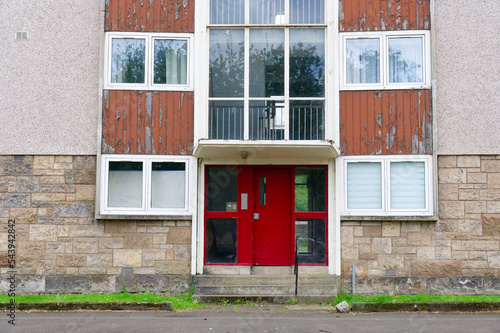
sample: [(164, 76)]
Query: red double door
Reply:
[(272, 216), (250, 214)]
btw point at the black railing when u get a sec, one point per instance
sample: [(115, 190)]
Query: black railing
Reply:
[(267, 122), (296, 268)]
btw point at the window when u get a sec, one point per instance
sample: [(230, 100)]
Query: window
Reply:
[(148, 61), (310, 214), (388, 185), (137, 185), (267, 70), (386, 60)]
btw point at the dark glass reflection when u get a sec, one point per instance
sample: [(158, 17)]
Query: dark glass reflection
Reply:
[(221, 241), (310, 190), (312, 240), (227, 62), (221, 188)]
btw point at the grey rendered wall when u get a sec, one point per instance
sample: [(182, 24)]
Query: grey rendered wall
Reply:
[(49, 83), (468, 76)]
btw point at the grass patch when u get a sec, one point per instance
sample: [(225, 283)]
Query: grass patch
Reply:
[(181, 301), (342, 296)]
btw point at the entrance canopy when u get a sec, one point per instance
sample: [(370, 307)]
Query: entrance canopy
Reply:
[(265, 150)]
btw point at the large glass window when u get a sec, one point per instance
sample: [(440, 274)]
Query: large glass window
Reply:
[(386, 60), (273, 74), (148, 61), (388, 185), (144, 185)]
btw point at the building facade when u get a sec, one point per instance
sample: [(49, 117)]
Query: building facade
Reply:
[(165, 140)]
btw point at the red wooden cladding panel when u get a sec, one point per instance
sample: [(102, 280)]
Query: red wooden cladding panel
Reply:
[(373, 15), (150, 15), (385, 122), (157, 122)]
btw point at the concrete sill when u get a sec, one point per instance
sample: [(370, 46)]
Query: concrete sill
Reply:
[(432, 218), (145, 217)]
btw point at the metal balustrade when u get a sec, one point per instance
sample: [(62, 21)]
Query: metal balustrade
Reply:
[(306, 122)]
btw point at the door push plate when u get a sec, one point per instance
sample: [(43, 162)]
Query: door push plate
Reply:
[(244, 200), (255, 216)]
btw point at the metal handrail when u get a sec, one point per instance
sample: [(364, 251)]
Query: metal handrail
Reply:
[(296, 268)]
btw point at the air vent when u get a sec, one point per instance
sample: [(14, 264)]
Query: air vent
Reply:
[(22, 35)]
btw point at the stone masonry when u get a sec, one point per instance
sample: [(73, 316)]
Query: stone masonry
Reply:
[(62, 248), (460, 253)]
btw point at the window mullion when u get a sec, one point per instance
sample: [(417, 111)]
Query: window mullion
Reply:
[(247, 12), (287, 79), (246, 79), (147, 186), (287, 11), (384, 63), (386, 174)]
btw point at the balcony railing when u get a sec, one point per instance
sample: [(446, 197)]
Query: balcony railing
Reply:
[(305, 122)]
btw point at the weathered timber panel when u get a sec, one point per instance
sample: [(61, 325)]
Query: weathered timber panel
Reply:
[(373, 15), (385, 122), (153, 122), (150, 15)]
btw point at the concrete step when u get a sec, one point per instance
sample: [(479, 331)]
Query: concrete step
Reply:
[(265, 290), (271, 270), (281, 299), (234, 280), (272, 287)]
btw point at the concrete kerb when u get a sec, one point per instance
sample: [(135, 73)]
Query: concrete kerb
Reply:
[(73, 306), (427, 307), (268, 308)]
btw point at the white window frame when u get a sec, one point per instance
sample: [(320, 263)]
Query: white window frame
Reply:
[(384, 60), (147, 161), (149, 61), (385, 162)]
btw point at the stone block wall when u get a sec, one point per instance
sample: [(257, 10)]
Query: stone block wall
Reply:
[(60, 247), (460, 253)]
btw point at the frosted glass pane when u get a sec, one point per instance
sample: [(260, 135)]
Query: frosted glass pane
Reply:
[(227, 11), (168, 185), (267, 12), (363, 60), (407, 185), (125, 184), (307, 11), (170, 61), (406, 60), (364, 185)]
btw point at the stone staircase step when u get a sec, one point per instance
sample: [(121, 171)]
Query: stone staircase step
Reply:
[(276, 299)]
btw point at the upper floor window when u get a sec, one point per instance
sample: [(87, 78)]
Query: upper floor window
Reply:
[(386, 60), (267, 74), (147, 61), (265, 12)]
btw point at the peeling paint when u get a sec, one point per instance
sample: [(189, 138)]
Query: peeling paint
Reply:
[(374, 15), (138, 122), (150, 16), (177, 7), (391, 122)]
